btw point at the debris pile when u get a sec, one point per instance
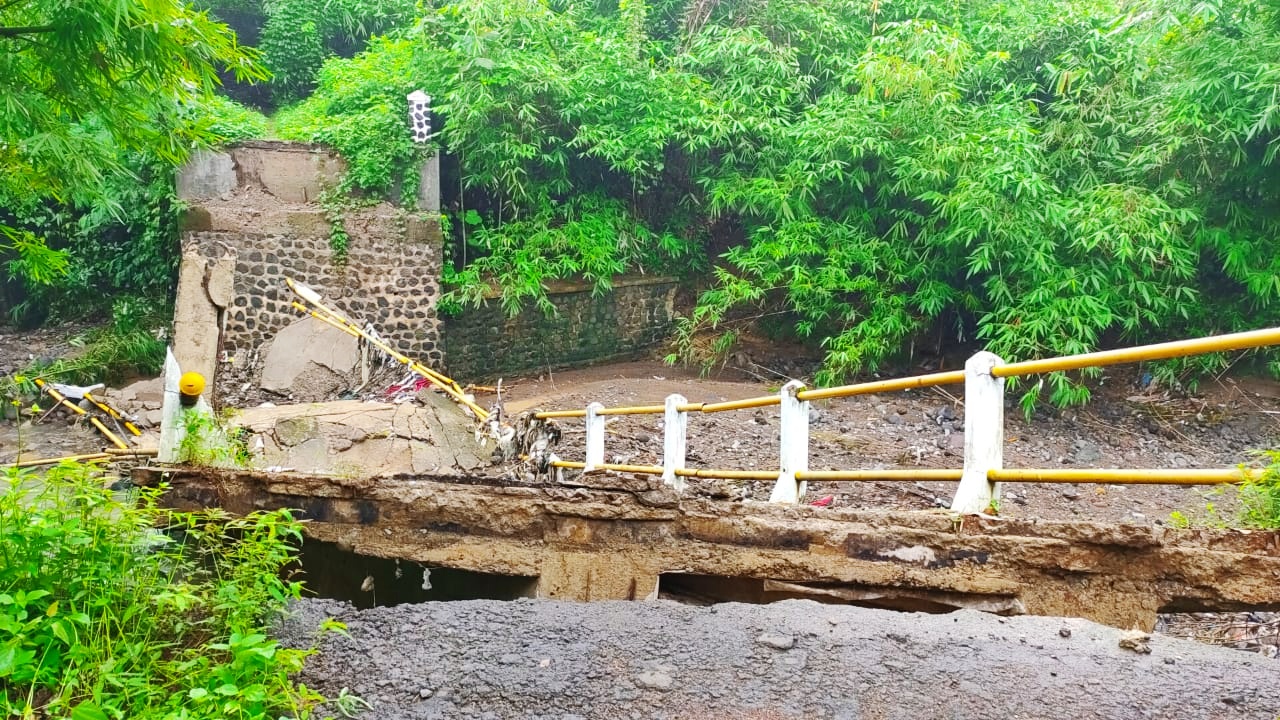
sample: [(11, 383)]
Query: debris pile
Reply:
[(1253, 631), (375, 410), (119, 423)]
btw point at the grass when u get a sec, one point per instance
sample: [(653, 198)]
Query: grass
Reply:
[(113, 609), (1259, 498)]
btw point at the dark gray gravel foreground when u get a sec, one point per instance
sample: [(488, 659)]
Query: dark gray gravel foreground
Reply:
[(543, 660)]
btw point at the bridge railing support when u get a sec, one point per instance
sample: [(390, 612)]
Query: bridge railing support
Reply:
[(983, 378), (793, 444), (983, 435), (595, 436), (675, 427)]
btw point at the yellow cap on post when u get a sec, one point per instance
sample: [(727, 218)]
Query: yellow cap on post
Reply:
[(191, 384)]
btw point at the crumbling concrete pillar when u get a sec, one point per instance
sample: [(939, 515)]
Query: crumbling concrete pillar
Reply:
[(429, 185), (205, 291), (584, 577)]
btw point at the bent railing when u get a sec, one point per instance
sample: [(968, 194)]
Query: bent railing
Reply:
[(984, 380)]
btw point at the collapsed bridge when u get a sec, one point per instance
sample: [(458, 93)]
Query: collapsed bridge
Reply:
[(590, 530), (411, 485), (610, 536)]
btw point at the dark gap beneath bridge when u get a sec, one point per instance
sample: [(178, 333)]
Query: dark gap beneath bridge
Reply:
[(694, 589), (329, 571)]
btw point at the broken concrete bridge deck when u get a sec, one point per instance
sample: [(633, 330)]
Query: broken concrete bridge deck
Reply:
[(609, 536)]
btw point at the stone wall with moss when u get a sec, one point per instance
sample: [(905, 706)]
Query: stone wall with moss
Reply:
[(258, 202), (388, 281), (482, 343)]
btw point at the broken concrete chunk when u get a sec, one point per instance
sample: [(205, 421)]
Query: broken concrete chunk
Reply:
[(308, 359), (295, 431), (1136, 640), (777, 640)]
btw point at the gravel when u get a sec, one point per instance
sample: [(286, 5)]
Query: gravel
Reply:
[(544, 660)]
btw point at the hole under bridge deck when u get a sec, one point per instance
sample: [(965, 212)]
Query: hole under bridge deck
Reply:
[(610, 536)]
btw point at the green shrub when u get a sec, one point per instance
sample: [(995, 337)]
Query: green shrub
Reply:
[(1260, 495), (231, 121), (128, 347), (364, 115), (121, 609), (210, 440)]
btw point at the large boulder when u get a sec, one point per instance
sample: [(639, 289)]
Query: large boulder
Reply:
[(310, 361)]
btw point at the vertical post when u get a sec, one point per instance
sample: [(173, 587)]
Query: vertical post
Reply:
[(675, 424), (983, 434), (595, 436), (172, 429), (793, 446)]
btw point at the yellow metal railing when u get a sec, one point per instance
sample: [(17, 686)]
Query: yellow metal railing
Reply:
[(1160, 351)]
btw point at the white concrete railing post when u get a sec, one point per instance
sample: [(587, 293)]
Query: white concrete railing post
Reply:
[(595, 437), (983, 434), (793, 446), (675, 424)]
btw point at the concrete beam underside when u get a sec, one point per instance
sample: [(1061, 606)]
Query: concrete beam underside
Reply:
[(609, 537)]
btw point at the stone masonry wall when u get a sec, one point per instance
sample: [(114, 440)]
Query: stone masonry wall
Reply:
[(390, 282), (484, 343), (254, 207), (256, 204)]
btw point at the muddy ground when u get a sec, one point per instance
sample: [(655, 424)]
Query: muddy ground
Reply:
[(794, 659)]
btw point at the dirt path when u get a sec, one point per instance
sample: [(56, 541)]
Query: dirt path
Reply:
[(1123, 427), (794, 659)]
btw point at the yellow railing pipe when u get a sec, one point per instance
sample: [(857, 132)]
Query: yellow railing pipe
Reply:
[(1121, 476), (53, 461), (952, 377), (729, 474), (642, 469), (755, 402), (634, 410), (1161, 351), (64, 402), (892, 474), (549, 414), (919, 381), (1211, 476)]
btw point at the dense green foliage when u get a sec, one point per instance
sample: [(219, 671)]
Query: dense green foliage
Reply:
[(115, 609), (86, 84), (295, 36), (121, 241), (1040, 177)]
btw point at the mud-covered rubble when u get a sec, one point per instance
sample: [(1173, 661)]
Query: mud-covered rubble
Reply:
[(791, 660), (1252, 631)]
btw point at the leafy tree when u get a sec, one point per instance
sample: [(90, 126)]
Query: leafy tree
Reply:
[(295, 36), (84, 84), (1042, 177)]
